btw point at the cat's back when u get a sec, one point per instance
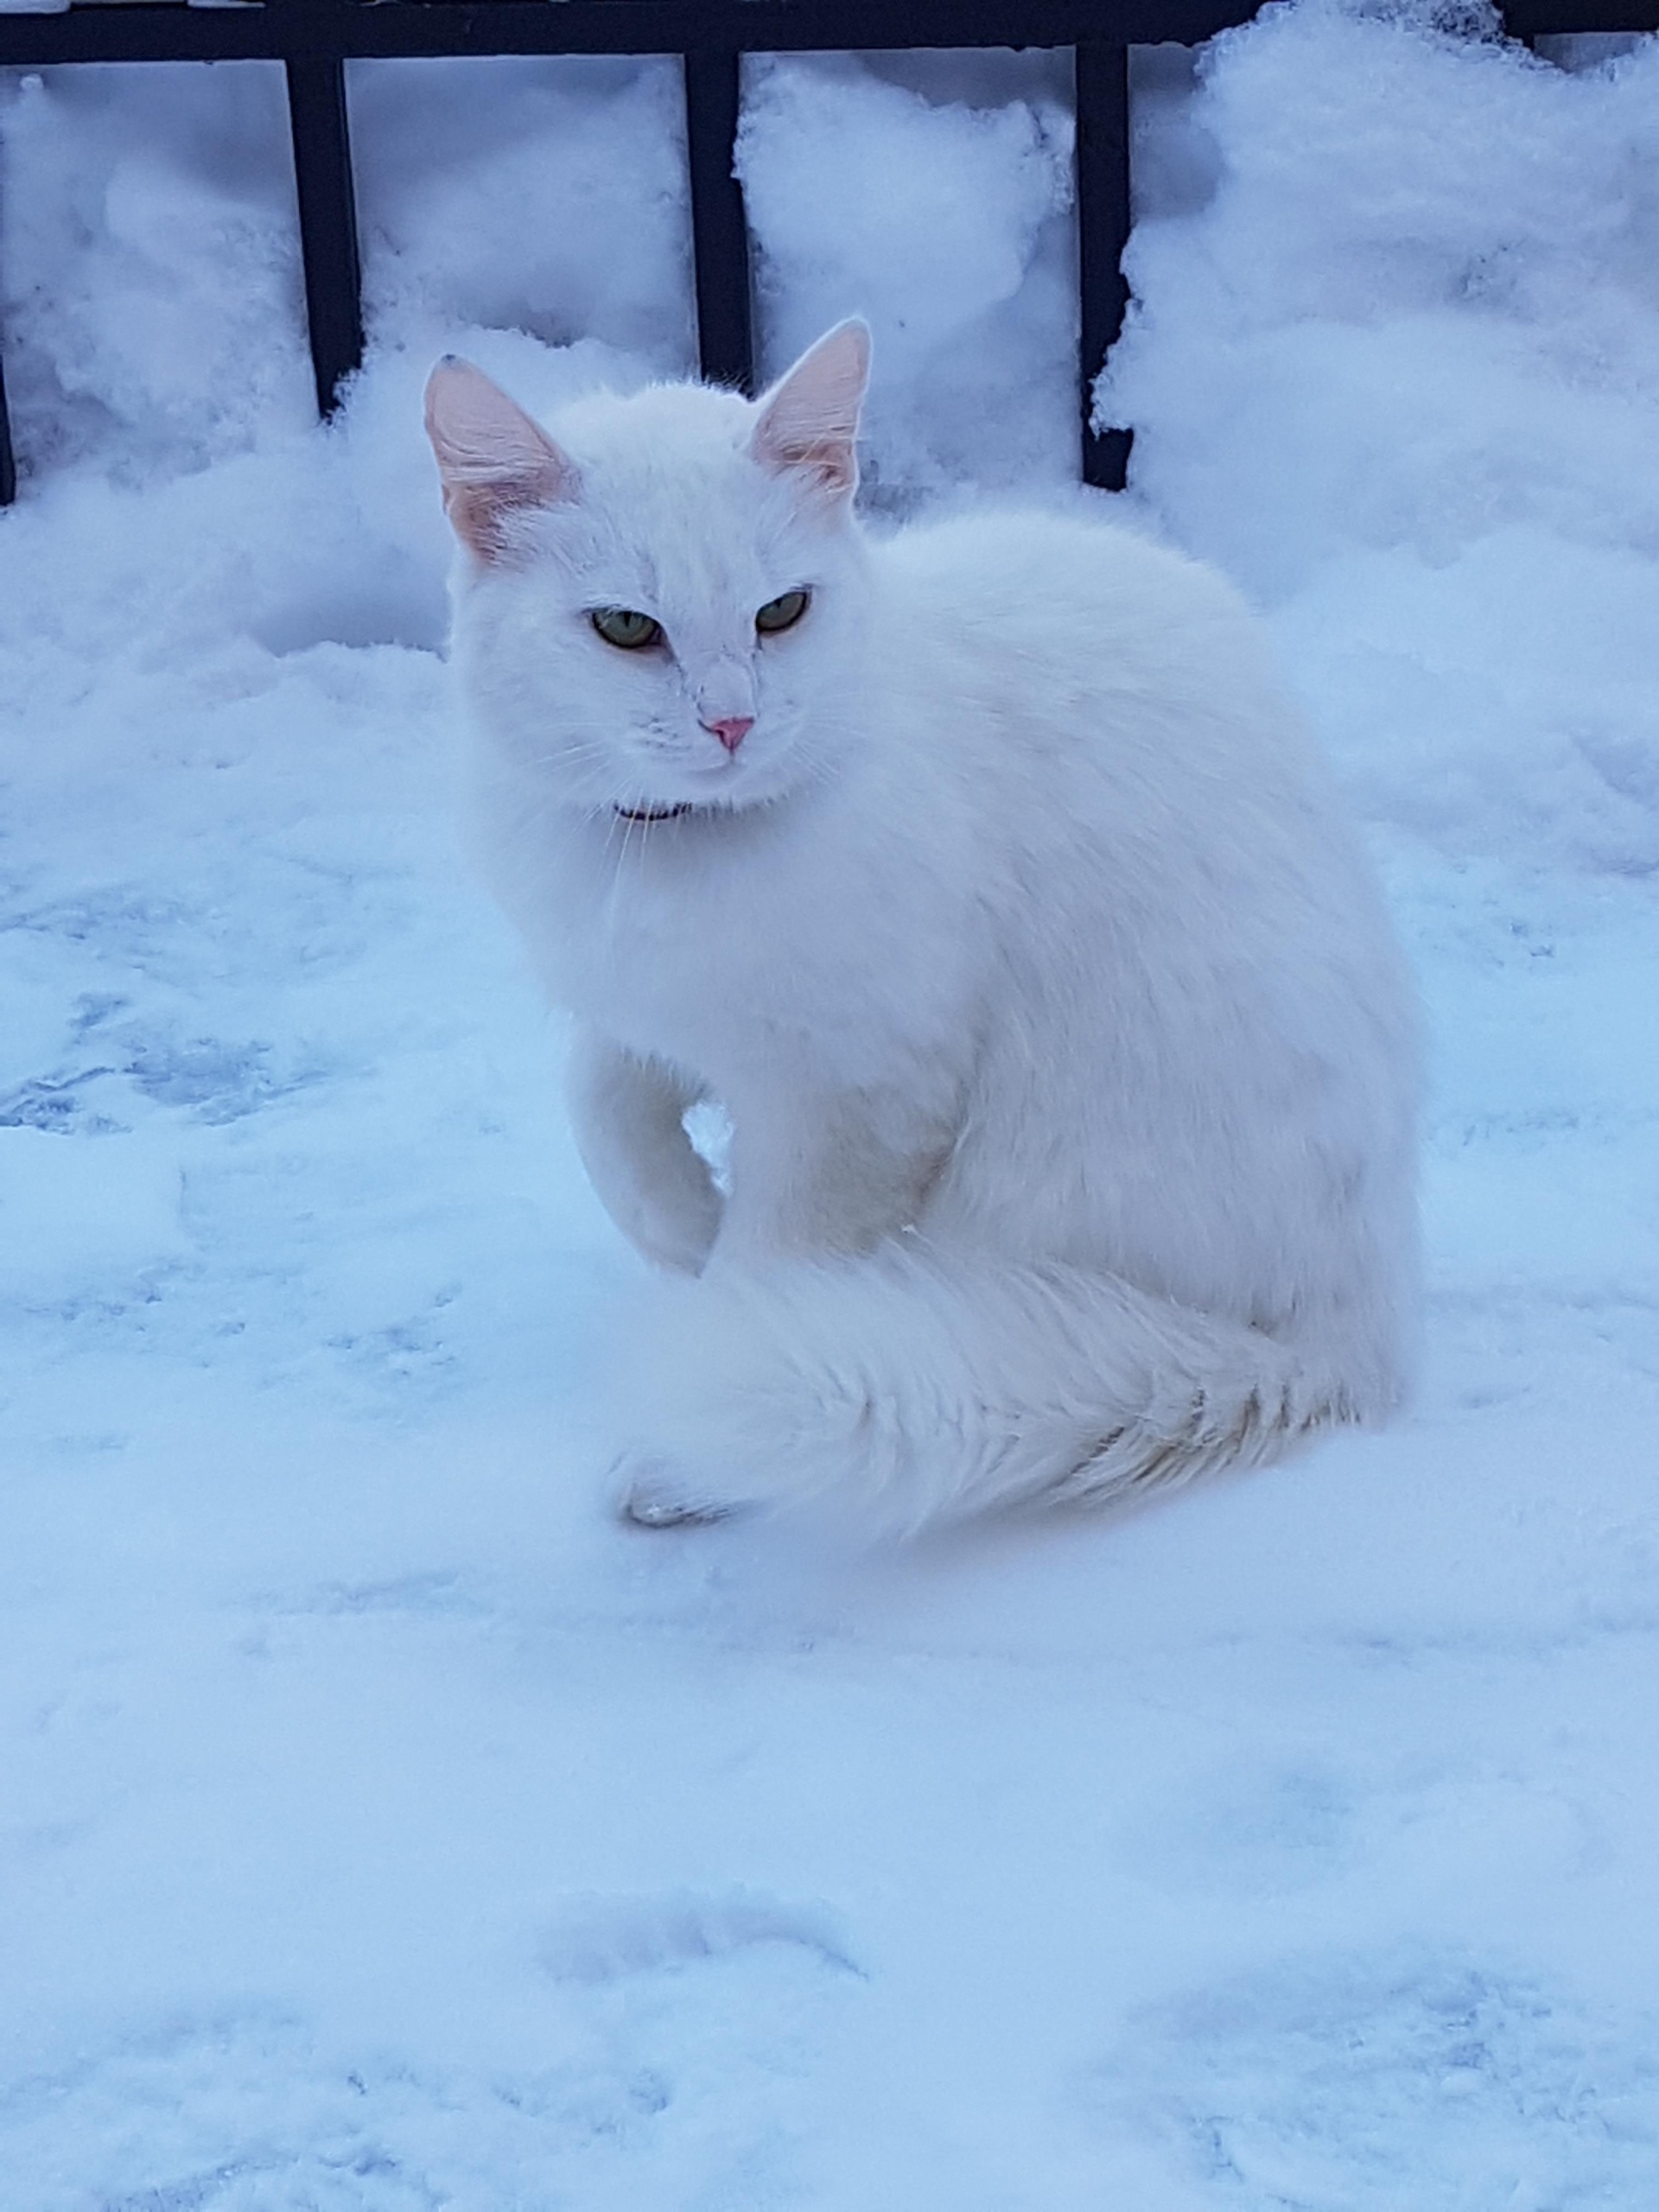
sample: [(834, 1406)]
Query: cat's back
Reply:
[(1055, 657), (1086, 595), (1109, 713)]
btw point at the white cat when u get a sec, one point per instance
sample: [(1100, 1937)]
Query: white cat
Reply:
[(986, 877)]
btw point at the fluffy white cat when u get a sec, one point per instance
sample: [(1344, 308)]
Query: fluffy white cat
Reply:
[(987, 878)]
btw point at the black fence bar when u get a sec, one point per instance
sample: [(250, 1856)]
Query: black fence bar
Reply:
[(720, 235), (327, 202), (8, 461), (1103, 217)]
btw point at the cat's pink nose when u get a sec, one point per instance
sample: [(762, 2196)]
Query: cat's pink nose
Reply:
[(732, 730)]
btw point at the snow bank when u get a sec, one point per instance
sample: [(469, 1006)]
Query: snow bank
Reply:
[(1400, 376)]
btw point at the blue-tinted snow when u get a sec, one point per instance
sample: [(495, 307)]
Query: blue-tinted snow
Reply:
[(381, 1827)]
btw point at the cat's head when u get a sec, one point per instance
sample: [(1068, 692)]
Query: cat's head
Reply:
[(659, 601)]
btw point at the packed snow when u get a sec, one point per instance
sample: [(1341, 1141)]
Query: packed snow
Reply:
[(384, 1825)]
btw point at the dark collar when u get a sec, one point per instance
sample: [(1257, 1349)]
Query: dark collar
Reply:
[(652, 814)]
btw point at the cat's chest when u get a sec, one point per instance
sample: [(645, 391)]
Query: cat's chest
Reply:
[(813, 964)]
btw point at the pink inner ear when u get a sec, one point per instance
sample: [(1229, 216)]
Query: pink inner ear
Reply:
[(809, 421), (494, 460)]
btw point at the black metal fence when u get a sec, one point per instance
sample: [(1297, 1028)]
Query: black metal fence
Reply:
[(314, 39)]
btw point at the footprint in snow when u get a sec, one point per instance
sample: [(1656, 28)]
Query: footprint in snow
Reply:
[(603, 1939), (1416, 2078)]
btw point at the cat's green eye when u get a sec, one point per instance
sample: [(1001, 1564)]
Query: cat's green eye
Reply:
[(781, 613), (627, 627)]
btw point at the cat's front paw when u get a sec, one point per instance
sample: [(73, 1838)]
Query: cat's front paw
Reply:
[(654, 1492)]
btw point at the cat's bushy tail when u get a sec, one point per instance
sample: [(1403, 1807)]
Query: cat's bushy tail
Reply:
[(918, 1390)]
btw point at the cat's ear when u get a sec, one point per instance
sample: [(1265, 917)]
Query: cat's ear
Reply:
[(809, 420), (494, 462)]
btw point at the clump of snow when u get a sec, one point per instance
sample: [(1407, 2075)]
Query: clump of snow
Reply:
[(542, 196), (383, 1827), (1400, 376), (940, 208), (123, 210)]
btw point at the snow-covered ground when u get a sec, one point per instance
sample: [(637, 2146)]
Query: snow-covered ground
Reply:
[(383, 1827)]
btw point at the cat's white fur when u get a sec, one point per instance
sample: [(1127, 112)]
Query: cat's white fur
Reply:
[(1071, 1063)]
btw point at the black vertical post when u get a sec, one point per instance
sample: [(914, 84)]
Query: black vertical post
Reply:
[(1103, 160), (8, 465), (322, 177), (720, 237)]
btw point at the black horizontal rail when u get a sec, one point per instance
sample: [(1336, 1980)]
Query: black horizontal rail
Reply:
[(164, 30), (154, 30), (314, 39)]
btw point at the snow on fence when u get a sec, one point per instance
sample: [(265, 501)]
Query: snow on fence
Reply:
[(314, 39)]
